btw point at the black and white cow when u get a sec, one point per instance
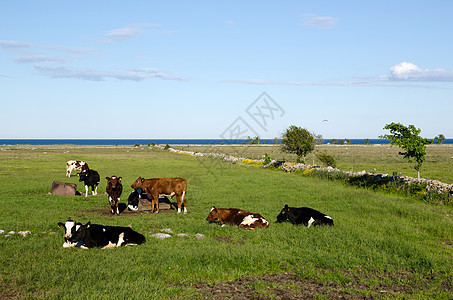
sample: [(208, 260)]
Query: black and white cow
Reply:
[(303, 215), (94, 235), (134, 198), (91, 179), (70, 228), (78, 165)]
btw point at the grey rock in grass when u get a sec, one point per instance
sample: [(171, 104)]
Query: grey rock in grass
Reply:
[(200, 236), (161, 236), (167, 230), (182, 234), (2, 231)]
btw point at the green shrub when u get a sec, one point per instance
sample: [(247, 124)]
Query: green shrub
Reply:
[(327, 159), (267, 159), (167, 147)]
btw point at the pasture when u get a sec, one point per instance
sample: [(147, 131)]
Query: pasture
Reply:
[(381, 245), (371, 158)]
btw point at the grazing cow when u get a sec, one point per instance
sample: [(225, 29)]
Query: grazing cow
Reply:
[(91, 179), (169, 187), (75, 165), (303, 215), (94, 235), (114, 189), (235, 216)]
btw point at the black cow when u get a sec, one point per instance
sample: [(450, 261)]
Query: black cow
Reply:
[(94, 235), (91, 179), (134, 197), (303, 215)]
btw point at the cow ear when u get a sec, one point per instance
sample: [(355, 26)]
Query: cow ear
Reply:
[(60, 224), (142, 180), (119, 179), (286, 207), (108, 178), (88, 224), (214, 208)]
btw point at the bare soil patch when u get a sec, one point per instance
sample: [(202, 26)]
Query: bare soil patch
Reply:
[(356, 284)]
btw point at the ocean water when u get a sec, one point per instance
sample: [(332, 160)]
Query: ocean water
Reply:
[(160, 141)]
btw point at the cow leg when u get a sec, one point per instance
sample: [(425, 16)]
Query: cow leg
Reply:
[(86, 190), (178, 199), (156, 201), (184, 199), (95, 190), (117, 209)]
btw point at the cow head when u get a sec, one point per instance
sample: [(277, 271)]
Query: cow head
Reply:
[(138, 183), (213, 215), (70, 233), (113, 181), (82, 175), (283, 216)]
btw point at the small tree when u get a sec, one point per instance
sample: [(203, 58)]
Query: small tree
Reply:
[(298, 140), (408, 138), (367, 141), (440, 139)]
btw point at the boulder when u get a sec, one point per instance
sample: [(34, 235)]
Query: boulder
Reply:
[(64, 188)]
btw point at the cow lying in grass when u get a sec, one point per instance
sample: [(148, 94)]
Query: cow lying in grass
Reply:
[(94, 235), (235, 216), (303, 215)]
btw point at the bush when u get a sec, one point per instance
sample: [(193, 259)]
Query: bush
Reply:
[(167, 147), (267, 159), (327, 159)]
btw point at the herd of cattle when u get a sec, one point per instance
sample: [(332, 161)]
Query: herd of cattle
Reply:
[(94, 235)]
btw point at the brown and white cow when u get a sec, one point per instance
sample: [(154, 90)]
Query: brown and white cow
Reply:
[(236, 216), (114, 189), (75, 165), (156, 187)]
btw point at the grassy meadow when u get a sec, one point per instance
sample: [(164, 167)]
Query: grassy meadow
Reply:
[(380, 158), (382, 246)]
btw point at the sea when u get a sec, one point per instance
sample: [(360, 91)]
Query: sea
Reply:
[(167, 141)]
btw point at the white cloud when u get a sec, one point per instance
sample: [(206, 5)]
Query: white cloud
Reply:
[(407, 71), (319, 22), (43, 59), (137, 74), (129, 31), (13, 44)]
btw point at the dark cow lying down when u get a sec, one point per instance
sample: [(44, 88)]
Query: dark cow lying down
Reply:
[(303, 215), (239, 217), (94, 235)]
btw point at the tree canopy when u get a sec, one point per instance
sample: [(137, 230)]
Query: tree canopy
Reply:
[(408, 138), (298, 140)]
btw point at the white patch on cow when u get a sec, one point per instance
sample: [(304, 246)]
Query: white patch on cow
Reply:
[(83, 247), (68, 227), (185, 210), (327, 217), (69, 244), (95, 190), (223, 225), (249, 220), (110, 199), (212, 209), (265, 221), (179, 210), (113, 177), (103, 229), (86, 190), (311, 221), (110, 245), (120, 239), (131, 207)]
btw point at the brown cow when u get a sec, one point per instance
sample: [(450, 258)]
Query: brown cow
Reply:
[(239, 217), (114, 189), (155, 187)]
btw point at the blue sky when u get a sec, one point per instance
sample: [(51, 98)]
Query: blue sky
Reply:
[(196, 69)]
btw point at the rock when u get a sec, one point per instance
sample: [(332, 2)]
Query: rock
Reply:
[(200, 236), (167, 230), (161, 236), (182, 235)]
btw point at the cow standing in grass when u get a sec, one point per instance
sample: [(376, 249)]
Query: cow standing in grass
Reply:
[(75, 165), (303, 215), (114, 189), (156, 187), (239, 217), (91, 179)]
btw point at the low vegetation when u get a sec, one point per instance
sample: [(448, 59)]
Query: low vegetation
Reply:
[(381, 245)]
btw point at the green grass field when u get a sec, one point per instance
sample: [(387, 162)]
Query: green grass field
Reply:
[(381, 245), (380, 158)]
